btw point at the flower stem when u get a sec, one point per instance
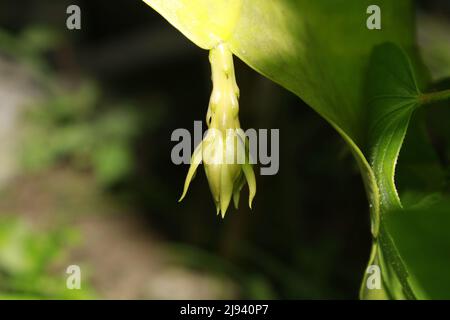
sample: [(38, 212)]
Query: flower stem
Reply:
[(433, 97)]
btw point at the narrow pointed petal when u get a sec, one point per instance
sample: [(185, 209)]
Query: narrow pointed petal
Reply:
[(212, 162), (250, 176), (226, 188), (217, 208), (195, 161), (237, 190), (236, 197)]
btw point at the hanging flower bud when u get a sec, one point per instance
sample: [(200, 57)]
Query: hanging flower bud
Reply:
[(224, 149)]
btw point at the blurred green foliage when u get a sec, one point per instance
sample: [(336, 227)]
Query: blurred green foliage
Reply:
[(68, 124), (71, 123), (29, 48), (29, 262), (71, 126)]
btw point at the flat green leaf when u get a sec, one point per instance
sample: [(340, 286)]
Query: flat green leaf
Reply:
[(204, 22), (393, 96), (421, 234)]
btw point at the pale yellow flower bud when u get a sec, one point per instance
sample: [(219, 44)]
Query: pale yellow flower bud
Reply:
[(224, 150)]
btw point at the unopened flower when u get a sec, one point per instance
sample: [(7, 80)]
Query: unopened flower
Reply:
[(224, 149)]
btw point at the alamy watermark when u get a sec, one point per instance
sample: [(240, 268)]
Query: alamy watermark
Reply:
[(374, 20), (73, 21), (235, 146), (73, 281), (373, 281)]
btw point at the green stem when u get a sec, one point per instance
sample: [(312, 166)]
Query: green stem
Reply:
[(433, 97)]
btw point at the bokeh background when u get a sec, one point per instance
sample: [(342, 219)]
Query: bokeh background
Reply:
[(86, 177)]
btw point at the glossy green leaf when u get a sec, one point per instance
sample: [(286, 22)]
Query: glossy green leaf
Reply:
[(204, 22), (393, 96)]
